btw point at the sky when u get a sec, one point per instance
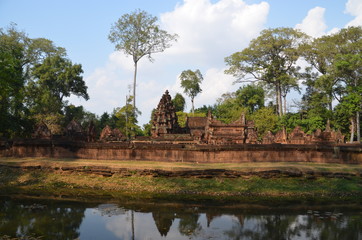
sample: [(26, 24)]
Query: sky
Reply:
[(208, 30)]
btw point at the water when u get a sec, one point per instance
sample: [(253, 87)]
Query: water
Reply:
[(50, 219)]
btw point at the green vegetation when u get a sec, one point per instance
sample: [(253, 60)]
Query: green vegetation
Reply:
[(137, 34), (35, 76), (190, 82), (133, 184)]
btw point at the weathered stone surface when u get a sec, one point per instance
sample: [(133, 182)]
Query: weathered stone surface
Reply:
[(42, 131), (109, 134), (164, 119), (236, 153), (91, 132), (74, 131)]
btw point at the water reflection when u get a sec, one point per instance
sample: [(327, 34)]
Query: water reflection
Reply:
[(72, 220)]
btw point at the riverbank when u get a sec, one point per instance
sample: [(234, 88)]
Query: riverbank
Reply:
[(247, 182)]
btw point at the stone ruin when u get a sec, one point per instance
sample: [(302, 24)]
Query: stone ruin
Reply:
[(199, 130), (74, 131), (207, 130), (42, 131), (108, 134), (298, 136), (164, 119)]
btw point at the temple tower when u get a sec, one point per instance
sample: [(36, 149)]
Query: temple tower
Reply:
[(164, 119)]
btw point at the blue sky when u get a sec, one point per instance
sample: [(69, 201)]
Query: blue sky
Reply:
[(209, 31)]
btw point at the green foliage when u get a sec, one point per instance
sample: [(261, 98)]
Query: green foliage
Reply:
[(137, 34), (250, 97), (146, 129), (182, 117), (127, 119), (228, 109), (59, 76), (190, 82), (205, 109), (270, 59), (179, 102), (265, 120), (79, 114), (35, 75)]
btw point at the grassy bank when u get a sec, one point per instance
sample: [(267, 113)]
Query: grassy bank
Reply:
[(251, 188)]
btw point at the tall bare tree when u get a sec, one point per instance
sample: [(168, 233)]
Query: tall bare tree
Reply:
[(137, 34)]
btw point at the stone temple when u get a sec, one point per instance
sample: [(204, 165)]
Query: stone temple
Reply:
[(207, 130), (204, 130)]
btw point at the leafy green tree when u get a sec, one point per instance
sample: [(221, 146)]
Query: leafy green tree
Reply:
[(23, 98), (127, 119), (205, 109), (11, 85), (190, 82), (61, 78), (250, 97), (179, 102), (265, 120), (347, 70), (182, 117), (227, 108), (137, 34), (271, 58), (79, 114)]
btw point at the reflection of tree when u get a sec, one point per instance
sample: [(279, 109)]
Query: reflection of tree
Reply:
[(163, 221), (51, 220), (295, 227), (189, 223)]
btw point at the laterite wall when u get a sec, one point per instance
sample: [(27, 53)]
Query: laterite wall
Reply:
[(350, 154)]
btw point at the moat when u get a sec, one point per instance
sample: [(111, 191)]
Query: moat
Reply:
[(54, 219)]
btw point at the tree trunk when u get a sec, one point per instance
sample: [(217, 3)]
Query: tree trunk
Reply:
[(279, 100), (330, 106), (285, 103), (192, 109), (358, 126), (352, 130), (134, 87)]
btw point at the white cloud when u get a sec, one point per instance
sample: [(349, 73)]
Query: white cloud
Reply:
[(208, 32), (314, 23), (354, 8)]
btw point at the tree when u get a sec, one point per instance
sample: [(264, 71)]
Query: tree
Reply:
[(270, 59), (348, 69), (320, 54), (59, 76), (228, 109), (127, 119), (11, 84), (138, 35), (21, 94), (265, 120), (251, 97), (190, 82), (179, 102)]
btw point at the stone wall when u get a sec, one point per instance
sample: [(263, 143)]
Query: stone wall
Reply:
[(237, 153)]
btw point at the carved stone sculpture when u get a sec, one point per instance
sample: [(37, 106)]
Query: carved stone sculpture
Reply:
[(164, 119)]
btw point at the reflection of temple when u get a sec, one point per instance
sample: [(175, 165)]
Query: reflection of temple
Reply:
[(163, 221)]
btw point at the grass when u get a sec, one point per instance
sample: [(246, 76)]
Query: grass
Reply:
[(175, 166), (245, 189)]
